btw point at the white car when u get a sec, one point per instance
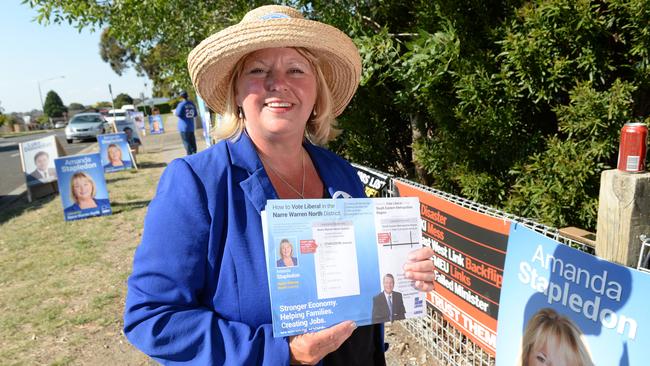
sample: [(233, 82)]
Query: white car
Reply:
[(60, 124), (85, 125), (116, 115)]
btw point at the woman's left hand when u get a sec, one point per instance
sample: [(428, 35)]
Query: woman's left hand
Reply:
[(419, 268)]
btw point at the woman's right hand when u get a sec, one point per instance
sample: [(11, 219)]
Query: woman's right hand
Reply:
[(309, 348)]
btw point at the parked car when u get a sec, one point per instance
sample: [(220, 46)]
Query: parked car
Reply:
[(60, 124), (85, 125)]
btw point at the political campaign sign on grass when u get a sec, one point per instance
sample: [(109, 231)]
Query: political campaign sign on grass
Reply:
[(562, 306), (330, 260), (115, 152), (82, 186), (156, 125), (470, 249), (138, 119), (38, 160)]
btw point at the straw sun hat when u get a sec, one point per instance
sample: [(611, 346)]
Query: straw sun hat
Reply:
[(211, 63)]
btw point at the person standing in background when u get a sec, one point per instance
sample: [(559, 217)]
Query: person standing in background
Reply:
[(186, 111)]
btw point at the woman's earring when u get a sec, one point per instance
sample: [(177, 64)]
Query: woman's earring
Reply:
[(313, 113), (241, 112)]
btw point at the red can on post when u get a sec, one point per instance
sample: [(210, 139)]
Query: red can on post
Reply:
[(632, 150)]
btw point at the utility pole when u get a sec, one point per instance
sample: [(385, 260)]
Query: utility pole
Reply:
[(110, 90)]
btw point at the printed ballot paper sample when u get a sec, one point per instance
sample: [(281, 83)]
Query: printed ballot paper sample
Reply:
[(330, 260)]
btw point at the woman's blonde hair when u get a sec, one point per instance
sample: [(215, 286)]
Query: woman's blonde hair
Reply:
[(320, 127), (79, 175), (560, 333), (285, 242)]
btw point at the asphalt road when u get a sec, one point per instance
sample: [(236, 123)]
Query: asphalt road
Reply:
[(11, 174)]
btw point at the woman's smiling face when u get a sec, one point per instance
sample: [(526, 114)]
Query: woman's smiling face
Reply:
[(277, 91), (82, 188), (114, 154)]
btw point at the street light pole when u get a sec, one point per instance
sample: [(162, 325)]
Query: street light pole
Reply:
[(40, 94)]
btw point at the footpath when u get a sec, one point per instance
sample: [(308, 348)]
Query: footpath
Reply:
[(64, 283)]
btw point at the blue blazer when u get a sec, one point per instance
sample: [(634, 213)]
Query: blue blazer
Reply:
[(199, 292), (98, 201), (280, 263)]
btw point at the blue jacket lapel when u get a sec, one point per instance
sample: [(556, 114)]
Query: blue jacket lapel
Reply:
[(256, 186)]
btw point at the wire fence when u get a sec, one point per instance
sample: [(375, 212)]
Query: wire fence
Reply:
[(447, 344)]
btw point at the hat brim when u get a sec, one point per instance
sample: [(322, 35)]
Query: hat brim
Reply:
[(212, 62)]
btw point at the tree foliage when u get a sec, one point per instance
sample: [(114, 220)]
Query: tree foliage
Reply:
[(122, 99), (515, 104), (4, 119), (76, 107), (153, 36), (53, 106), (113, 52)]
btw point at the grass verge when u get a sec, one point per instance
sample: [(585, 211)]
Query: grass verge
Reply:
[(22, 133), (62, 284)]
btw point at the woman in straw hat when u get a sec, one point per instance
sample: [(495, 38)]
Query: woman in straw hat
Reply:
[(198, 293)]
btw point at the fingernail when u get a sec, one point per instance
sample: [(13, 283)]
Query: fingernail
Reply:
[(408, 274), (353, 325)]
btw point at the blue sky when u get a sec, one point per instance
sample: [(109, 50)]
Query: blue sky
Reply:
[(31, 52)]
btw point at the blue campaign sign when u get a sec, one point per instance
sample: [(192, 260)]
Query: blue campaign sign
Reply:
[(115, 152), (82, 186), (156, 125), (564, 306), (331, 260)]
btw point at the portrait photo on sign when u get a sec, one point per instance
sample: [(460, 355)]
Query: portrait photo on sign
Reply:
[(115, 152), (138, 119), (287, 254), (38, 160), (156, 125), (82, 187)]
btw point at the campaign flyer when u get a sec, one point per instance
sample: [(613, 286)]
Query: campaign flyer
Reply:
[(561, 306), (331, 260), (82, 186), (38, 160), (156, 125), (115, 152)]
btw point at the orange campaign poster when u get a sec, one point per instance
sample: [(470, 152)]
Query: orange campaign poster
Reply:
[(470, 252)]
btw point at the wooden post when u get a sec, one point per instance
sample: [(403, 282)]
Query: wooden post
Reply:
[(623, 215)]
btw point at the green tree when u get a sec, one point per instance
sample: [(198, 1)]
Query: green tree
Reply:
[(53, 106), (153, 44), (515, 104), (76, 107), (103, 104), (3, 118), (122, 99), (113, 52)]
